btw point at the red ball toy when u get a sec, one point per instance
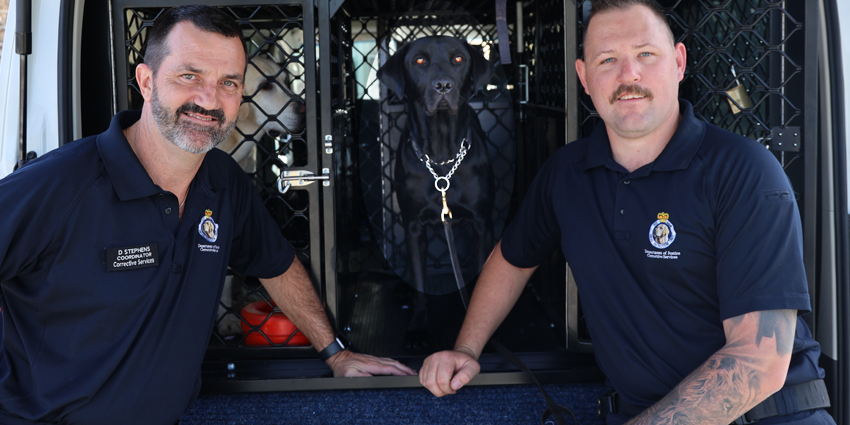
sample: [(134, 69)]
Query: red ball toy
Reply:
[(277, 328)]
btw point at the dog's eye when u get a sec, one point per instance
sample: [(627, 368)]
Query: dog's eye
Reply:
[(420, 60), (458, 59), (267, 85)]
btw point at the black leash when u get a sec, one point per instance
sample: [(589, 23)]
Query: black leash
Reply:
[(555, 410)]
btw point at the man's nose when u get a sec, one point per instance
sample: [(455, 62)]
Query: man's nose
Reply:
[(443, 85), (207, 96), (629, 71)]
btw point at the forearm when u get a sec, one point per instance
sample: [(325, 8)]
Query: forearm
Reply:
[(739, 376), (721, 390), (293, 292), (499, 286)]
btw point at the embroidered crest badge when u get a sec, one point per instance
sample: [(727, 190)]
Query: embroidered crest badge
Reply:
[(662, 233), (208, 227)]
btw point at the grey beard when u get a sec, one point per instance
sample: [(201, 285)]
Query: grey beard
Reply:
[(181, 133)]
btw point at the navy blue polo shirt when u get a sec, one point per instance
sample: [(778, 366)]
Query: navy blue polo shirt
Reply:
[(661, 256), (108, 298)]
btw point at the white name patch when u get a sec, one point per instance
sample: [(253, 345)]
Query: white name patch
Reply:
[(131, 257)]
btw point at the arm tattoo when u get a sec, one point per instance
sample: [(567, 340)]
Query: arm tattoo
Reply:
[(720, 389), (729, 383), (777, 323)]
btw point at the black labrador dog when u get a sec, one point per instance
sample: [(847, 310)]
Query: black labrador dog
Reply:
[(435, 77)]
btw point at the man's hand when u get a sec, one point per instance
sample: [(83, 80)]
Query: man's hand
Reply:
[(447, 371), (349, 364)]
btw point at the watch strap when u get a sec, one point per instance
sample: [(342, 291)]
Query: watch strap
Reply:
[(335, 347)]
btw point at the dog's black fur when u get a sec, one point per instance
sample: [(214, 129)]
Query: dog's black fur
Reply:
[(435, 77)]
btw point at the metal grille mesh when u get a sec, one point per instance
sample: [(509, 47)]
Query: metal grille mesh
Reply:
[(543, 47)]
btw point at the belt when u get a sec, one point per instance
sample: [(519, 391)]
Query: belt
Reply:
[(791, 399)]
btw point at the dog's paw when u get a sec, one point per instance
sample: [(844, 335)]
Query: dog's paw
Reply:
[(230, 326), (416, 339)]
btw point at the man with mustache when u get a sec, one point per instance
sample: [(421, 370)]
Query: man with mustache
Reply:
[(698, 327), (114, 248)]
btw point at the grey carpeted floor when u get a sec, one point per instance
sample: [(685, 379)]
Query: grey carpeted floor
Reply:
[(514, 404)]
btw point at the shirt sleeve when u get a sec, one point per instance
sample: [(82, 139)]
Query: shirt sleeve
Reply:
[(759, 240), (534, 233), (35, 202), (22, 232), (259, 248)]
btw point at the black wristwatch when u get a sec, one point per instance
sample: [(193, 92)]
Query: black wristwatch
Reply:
[(335, 347)]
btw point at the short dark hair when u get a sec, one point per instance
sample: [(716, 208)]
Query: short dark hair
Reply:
[(204, 17), (599, 6)]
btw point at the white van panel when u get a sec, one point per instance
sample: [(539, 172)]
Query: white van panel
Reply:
[(8, 101), (844, 26), (42, 98)]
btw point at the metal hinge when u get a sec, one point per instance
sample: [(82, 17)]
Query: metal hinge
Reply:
[(523, 84), (300, 178), (329, 144), (783, 139), (523, 90)]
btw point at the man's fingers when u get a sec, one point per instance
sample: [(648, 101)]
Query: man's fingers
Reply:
[(354, 364), (444, 376), (403, 369), (464, 375), (384, 366), (354, 373), (445, 372)]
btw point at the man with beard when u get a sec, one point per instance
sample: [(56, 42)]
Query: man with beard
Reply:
[(114, 248), (699, 326)]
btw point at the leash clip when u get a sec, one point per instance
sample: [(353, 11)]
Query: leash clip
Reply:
[(458, 159), (446, 209)]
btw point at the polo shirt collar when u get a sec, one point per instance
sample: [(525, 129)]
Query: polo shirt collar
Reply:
[(128, 175), (676, 155), (208, 177)]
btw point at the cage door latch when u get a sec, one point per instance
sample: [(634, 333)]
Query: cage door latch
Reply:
[(300, 178)]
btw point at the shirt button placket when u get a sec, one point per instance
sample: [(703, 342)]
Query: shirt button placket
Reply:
[(625, 182), (621, 230)]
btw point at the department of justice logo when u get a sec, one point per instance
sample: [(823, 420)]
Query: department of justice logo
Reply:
[(208, 228), (662, 233)]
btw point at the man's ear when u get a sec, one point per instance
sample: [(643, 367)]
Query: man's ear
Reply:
[(480, 69), (581, 70), (681, 60), (392, 72), (144, 78)]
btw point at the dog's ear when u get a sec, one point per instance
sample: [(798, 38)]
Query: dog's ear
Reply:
[(392, 72), (481, 69)]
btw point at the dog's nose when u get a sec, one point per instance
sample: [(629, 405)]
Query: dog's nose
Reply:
[(443, 86)]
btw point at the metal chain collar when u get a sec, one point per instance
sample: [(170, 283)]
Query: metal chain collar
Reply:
[(458, 159)]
